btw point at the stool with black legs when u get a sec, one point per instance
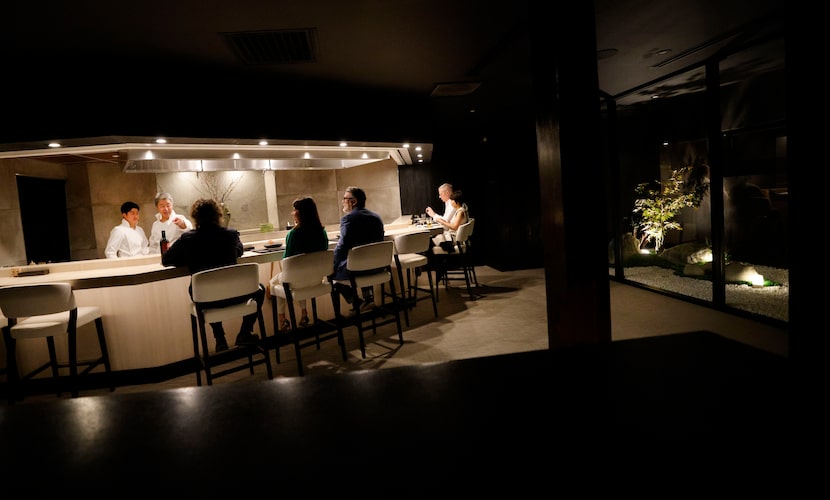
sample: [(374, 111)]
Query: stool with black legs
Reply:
[(306, 277), (370, 265), (218, 295), (411, 261), (455, 261), (49, 311)]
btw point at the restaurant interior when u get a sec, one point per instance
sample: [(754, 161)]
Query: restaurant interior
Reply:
[(562, 130)]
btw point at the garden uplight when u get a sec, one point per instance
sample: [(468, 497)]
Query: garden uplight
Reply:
[(758, 280)]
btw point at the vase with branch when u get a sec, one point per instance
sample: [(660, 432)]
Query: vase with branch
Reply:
[(216, 186)]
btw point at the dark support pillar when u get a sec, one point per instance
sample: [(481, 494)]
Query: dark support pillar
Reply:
[(612, 162), (807, 185), (716, 169), (571, 174)]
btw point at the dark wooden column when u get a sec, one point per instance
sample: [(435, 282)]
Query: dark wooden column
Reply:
[(571, 173)]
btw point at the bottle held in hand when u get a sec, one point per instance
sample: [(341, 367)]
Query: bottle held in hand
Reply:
[(163, 244)]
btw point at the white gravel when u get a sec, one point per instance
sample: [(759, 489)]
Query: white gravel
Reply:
[(770, 301)]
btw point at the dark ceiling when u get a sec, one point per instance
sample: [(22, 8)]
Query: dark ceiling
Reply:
[(98, 67)]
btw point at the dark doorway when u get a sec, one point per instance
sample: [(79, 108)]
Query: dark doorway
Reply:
[(43, 213)]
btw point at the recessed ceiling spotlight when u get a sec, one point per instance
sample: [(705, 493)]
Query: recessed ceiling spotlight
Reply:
[(405, 145), (417, 148), (263, 143), (343, 144), (161, 140), (54, 144)]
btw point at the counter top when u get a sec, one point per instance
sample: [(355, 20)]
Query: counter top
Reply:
[(120, 272), (100, 273)]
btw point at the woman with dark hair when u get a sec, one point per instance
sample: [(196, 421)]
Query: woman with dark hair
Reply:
[(308, 235), (209, 246), (459, 217)]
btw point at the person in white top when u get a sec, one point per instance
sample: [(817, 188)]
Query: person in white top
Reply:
[(460, 216), (444, 192), (167, 220), (128, 238)]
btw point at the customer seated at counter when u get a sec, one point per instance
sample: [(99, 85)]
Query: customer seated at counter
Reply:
[(459, 217), (209, 246), (359, 226), (128, 238), (167, 220), (308, 235)]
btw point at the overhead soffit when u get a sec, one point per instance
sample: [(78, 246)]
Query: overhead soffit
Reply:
[(199, 155)]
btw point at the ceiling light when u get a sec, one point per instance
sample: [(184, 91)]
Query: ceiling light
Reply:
[(161, 140), (54, 144)]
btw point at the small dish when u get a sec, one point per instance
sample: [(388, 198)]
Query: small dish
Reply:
[(273, 245)]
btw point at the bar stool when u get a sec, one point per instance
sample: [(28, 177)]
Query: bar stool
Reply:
[(49, 310), (410, 260), (371, 265), (221, 294), (457, 264), (305, 277)]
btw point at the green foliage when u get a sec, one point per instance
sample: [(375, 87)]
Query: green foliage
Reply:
[(660, 202)]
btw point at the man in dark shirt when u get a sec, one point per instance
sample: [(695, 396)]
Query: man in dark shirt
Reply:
[(209, 246), (358, 227)]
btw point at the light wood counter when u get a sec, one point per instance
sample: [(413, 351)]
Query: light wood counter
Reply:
[(145, 308), (146, 305)]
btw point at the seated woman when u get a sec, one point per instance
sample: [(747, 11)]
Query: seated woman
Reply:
[(308, 235), (459, 217)]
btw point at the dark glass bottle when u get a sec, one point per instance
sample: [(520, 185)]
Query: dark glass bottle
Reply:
[(163, 244)]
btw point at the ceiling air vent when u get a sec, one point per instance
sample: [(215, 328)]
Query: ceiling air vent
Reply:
[(454, 89), (274, 47)]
